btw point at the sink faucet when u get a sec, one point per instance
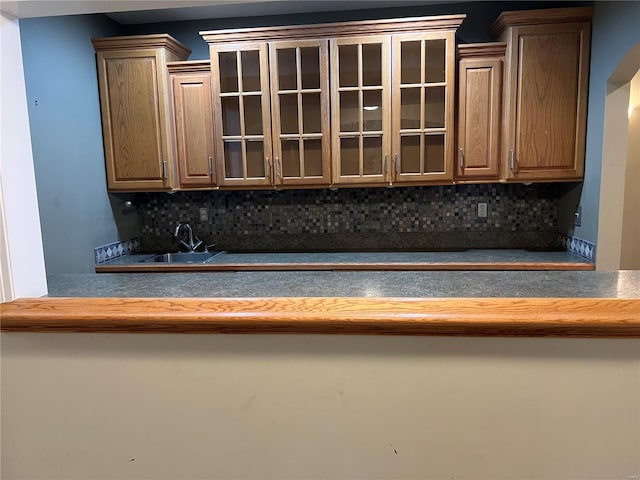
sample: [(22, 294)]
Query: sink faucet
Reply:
[(191, 246)]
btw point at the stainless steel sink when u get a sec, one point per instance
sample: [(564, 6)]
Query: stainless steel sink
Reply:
[(182, 257)]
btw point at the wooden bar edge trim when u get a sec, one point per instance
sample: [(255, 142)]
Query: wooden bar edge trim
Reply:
[(571, 317)]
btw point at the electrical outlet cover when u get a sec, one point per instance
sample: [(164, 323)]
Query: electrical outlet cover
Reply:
[(483, 210)]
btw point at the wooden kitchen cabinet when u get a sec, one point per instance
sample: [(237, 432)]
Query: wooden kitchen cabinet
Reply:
[(193, 123), (136, 118), (354, 79), (361, 109), (423, 106), (480, 83), (242, 114), (547, 67), (300, 112)]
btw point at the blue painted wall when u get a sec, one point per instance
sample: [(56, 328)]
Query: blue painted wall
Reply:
[(615, 30), (76, 213)]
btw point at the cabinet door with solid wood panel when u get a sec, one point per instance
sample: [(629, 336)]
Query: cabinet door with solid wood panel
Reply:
[(479, 111), (300, 112), (361, 109), (136, 118), (193, 117), (423, 101), (242, 117), (134, 145), (545, 118)]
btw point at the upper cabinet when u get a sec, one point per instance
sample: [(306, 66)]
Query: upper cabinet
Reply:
[(480, 74), (423, 107), (365, 103), (242, 113), (547, 67), (136, 118), (300, 112), (389, 85), (361, 109), (193, 123)]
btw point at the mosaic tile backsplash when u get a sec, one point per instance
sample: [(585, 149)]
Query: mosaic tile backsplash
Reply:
[(439, 212)]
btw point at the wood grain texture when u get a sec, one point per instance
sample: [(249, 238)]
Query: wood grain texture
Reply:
[(547, 70), (193, 120), (489, 49), (386, 266), (324, 135), (537, 17), (479, 116), (135, 106), (134, 42), (573, 317), (334, 30)]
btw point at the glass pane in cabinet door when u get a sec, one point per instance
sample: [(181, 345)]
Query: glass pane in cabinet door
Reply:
[(252, 115), (435, 60), (372, 110), (410, 108), (255, 159), (233, 159), (434, 107), (410, 154), (230, 115), (348, 65), (433, 153), (228, 66), (287, 72), (349, 156), (311, 113), (290, 158), (410, 62), (310, 67), (372, 155), (372, 64), (250, 71), (313, 157), (349, 112), (289, 113)]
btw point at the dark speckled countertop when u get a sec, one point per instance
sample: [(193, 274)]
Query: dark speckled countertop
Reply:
[(471, 255), (425, 284)]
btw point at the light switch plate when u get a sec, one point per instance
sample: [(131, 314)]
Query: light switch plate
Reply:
[(483, 210), (204, 214)]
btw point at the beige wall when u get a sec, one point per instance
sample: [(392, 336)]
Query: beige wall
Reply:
[(109, 406), (630, 248)]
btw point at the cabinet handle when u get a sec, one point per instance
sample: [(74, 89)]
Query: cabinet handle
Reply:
[(165, 174), (513, 165), (268, 162), (397, 166), (277, 164), (386, 164), (461, 158), (210, 166)]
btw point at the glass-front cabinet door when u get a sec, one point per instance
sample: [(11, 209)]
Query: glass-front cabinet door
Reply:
[(423, 96), (300, 112), (361, 109), (240, 75)]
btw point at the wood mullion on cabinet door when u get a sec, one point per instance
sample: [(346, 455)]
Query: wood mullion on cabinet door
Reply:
[(276, 113), (423, 95), (300, 112), (243, 142), (267, 144), (360, 115)]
